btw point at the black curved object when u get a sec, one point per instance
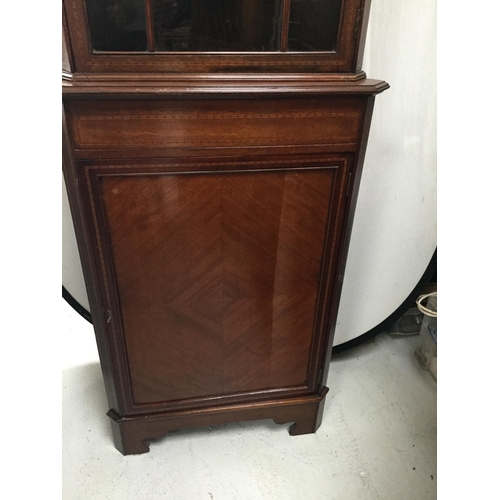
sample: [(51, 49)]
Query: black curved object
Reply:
[(76, 305), (408, 302)]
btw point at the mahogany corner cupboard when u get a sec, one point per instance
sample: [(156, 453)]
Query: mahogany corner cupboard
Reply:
[(212, 151)]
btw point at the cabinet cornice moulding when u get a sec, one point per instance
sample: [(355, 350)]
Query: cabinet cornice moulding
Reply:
[(224, 84)]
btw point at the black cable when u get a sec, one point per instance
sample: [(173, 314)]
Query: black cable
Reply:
[(429, 273), (76, 305)]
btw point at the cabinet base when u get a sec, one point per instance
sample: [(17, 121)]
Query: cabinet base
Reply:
[(132, 434)]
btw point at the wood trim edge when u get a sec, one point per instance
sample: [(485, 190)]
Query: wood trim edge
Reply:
[(227, 85)]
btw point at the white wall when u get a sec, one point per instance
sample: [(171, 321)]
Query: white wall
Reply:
[(72, 274), (394, 232)]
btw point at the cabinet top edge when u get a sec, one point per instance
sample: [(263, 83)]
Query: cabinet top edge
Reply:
[(106, 85)]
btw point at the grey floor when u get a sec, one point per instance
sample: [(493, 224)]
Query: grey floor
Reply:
[(377, 440)]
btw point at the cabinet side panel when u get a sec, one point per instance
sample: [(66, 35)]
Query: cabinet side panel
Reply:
[(82, 232), (217, 277)]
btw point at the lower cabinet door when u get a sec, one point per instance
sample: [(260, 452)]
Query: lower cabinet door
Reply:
[(217, 275)]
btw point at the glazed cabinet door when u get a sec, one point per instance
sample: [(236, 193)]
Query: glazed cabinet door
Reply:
[(184, 36), (216, 276)]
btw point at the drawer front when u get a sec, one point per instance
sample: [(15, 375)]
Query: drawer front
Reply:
[(134, 124)]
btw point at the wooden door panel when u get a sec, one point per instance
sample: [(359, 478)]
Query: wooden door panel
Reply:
[(165, 235), (217, 277)]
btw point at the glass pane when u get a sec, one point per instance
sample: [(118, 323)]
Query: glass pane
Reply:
[(314, 25), (217, 25), (117, 25)]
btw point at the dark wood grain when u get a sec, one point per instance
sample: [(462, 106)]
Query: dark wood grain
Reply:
[(213, 197), (150, 29), (228, 87), (284, 25), (218, 293), (133, 435), (146, 124), (94, 176), (225, 296), (84, 236), (155, 154)]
